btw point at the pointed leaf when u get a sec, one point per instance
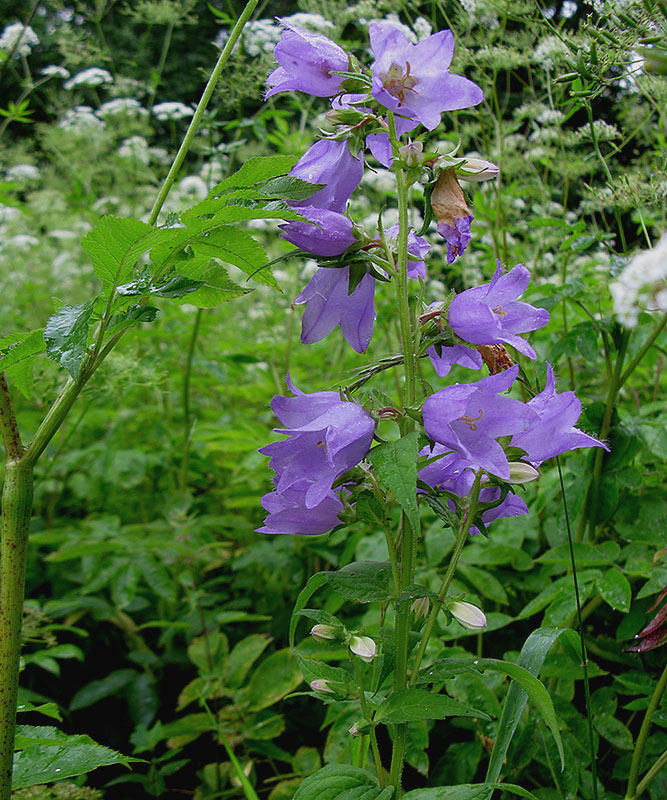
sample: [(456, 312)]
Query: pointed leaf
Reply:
[(276, 676), (19, 346), (363, 581), (413, 705), (615, 589), (254, 170), (467, 791), (66, 336), (314, 583), (340, 781), (395, 466)]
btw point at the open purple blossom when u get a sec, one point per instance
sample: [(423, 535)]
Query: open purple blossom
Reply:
[(326, 437), (329, 304), (470, 417), (554, 432), (418, 249), (331, 163), (448, 356), (307, 61), (413, 80), (289, 514), (490, 314), (330, 233), (457, 475)]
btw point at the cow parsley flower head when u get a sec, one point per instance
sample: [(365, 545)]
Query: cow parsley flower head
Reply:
[(135, 148), (54, 71), (19, 33), (22, 172), (413, 79), (81, 121), (127, 106), (172, 111), (642, 285), (490, 314), (93, 76), (306, 63)]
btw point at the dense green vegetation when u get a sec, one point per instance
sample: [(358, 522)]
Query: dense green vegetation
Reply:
[(157, 621)]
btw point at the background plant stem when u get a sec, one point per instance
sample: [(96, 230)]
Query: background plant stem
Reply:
[(631, 793)]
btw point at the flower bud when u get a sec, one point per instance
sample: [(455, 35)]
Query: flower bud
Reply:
[(467, 614), (354, 731), (320, 685), (364, 647), (412, 153), (522, 473), (420, 607), (323, 633), (477, 169)]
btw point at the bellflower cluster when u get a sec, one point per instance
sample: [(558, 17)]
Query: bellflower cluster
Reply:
[(470, 425), (327, 436)]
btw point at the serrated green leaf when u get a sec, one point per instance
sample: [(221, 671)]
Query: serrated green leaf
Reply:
[(65, 757), (276, 676), (342, 781), (395, 466), (216, 287), (116, 243), (313, 584), (362, 581), (467, 791), (254, 170), (413, 705), (319, 670), (234, 246), (176, 286), (287, 187), (17, 348), (66, 336), (133, 316), (48, 709), (242, 657)]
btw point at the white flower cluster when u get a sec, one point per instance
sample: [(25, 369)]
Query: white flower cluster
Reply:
[(550, 50), (136, 149), (22, 172), (193, 187), (54, 71), (261, 36), (642, 286), (550, 116), (172, 110), (93, 76), (81, 120), (21, 34), (127, 106)]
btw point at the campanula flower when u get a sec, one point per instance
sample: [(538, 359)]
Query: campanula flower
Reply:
[(490, 314), (418, 249), (326, 436), (452, 213), (448, 356), (289, 514), (470, 417), (413, 80), (554, 431), (307, 61), (328, 304), (330, 233), (331, 163), (364, 647)]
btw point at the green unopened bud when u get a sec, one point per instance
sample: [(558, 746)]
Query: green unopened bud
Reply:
[(477, 169), (320, 685), (420, 607), (467, 614), (522, 473), (323, 633), (346, 116), (364, 647), (412, 153)]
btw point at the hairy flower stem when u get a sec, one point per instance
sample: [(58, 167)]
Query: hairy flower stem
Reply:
[(199, 112), (410, 536), (461, 539), (632, 791)]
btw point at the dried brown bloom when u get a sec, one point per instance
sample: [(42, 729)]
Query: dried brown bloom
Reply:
[(496, 357)]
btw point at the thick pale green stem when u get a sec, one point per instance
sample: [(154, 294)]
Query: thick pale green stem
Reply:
[(16, 513), (632, 792)]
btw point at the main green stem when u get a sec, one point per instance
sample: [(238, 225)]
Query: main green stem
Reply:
[(632, 792), (402, 624)]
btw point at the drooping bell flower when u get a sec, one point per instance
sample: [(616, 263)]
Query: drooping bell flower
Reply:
[(490, 314), (452, 213), (470, 417), (288, 513), (330, 233), (329, 162), (413, 80), (326, 436), (554, 431), (329, 304), (307, 61), (457, 354)]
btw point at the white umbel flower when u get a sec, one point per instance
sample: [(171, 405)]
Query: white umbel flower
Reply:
[(93, 76), (22, 172), (23, 34), (127, 106), (54, 71), (172, 110), (642, 286)]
